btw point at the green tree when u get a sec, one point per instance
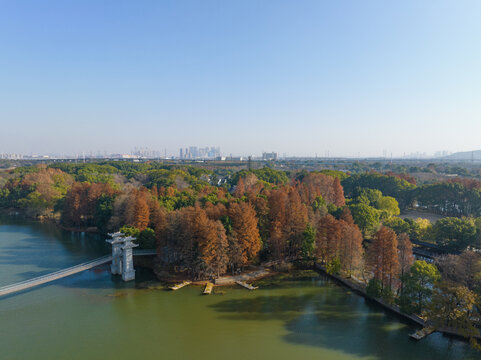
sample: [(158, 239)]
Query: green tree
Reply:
[(334, 267), (374, 288), (454, 234), (146, 239), (308, 242), (397, 224), (388, 204), (417, 285), (365, 216), (103, 211)]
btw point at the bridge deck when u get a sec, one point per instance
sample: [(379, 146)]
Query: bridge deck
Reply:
[(22, 285), (53, 276)]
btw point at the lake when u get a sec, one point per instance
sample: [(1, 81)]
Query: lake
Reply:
[(94, 315)]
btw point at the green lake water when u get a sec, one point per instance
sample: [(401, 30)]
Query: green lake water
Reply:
[(93, 315)]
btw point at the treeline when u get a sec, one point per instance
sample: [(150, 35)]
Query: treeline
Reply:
[(455, 197)]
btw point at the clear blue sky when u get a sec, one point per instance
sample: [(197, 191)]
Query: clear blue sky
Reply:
[(297, 77)]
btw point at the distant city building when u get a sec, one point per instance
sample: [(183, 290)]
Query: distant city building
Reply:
[(11, 156), (146, 153), (194, 152), (272, 156)]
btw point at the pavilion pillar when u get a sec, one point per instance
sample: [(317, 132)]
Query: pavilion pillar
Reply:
[(128, 271), (117, 241)]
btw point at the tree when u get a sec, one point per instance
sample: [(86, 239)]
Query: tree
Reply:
[(311, 185), (455, 307), (382, 257), (240, 188), (397, 224), (146, 239), (406, 257), (83, 201), (338, 193), (463, 269), (374, 288), (350, 252), (244, 229), (417, 286), (213, 248), (454, 234), (388, 204), (346, 216), (308, 243), (104, 211), (140, 215), (319, 205), (277, 244), (295, 224), (328, 239), (365, 216)]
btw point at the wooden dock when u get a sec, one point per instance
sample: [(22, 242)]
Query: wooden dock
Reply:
[(421, 334), (208, 288), (181, 285), (246, 285)]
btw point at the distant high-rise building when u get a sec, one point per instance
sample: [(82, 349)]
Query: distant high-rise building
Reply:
[(194, 152), (272, 156)]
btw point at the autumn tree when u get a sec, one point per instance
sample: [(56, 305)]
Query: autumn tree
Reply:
[(350, 249), (328, 239), (43, 190), (346, 216), (244, 229), (240, 188), (382, 257), (406, 257), (277, 244), (312, 185), (463, 269), (84, 201), (455, 307), (276, 241), (213, 246), (138, 212), (295, 223)]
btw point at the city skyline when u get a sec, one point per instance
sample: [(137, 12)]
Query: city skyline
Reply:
[(212, 153)]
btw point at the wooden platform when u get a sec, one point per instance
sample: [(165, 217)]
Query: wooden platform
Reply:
[(246, 285), (208, 288), (181, 285), (421, 334)]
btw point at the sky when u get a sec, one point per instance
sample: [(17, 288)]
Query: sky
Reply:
[(352, 78)]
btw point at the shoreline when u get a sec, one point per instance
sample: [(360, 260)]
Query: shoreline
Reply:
[(414, 319), (259, 273)]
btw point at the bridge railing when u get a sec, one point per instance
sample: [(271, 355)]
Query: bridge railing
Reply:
[(53, 276), (22, 285)]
